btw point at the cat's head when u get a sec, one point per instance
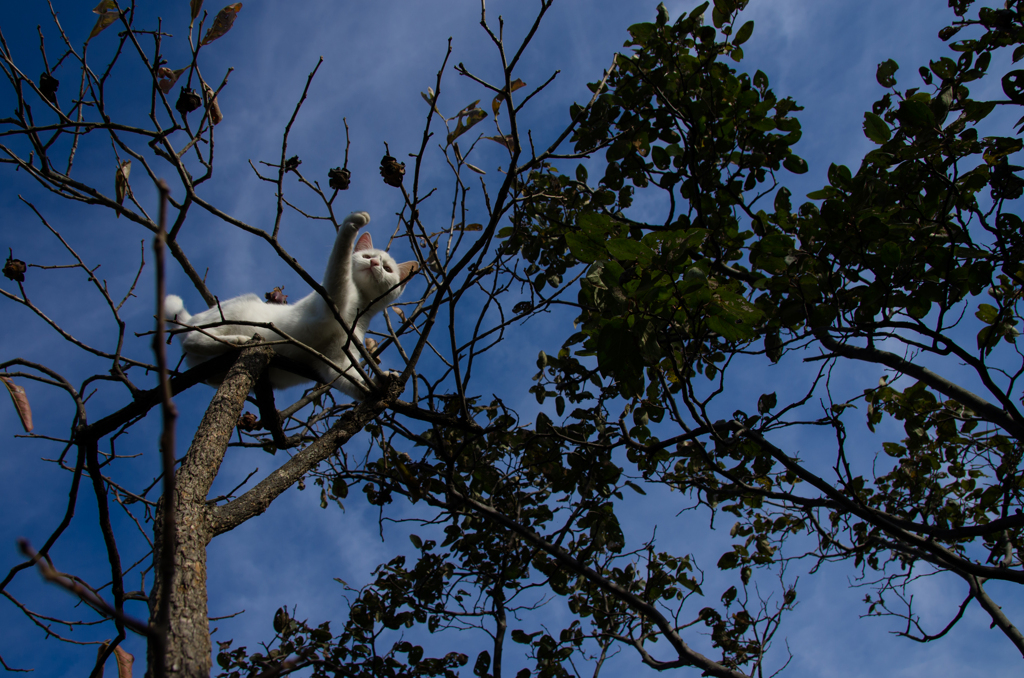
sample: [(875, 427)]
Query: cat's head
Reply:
[(377, 276)]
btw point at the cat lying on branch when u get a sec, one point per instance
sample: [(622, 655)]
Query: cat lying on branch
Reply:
[(362, 282)]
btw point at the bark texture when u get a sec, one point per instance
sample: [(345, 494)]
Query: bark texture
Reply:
[(188, 649)]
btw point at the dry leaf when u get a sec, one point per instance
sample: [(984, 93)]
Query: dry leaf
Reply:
[(371, 346), (222, 23), (211, 103), (197, 6), (20, 401), (496, 104), (399, 311), (472, 227), (168, 78), (121, 183), (475, 169), (124, 660), (505, 141)]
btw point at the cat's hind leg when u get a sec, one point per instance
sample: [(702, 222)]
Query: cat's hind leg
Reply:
[(198, 343)]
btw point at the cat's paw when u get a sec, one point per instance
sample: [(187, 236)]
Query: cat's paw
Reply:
[(356, 220), (236, 339)]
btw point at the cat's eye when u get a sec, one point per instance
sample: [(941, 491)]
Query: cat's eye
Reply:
[(388, 269)]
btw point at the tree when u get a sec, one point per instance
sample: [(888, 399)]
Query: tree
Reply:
[(883, 268)]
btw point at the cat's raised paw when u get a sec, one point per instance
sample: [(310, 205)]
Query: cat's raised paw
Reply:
[(356, 220)]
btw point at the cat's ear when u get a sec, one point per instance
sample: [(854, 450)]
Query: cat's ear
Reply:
[(407, 270), (364, 243)]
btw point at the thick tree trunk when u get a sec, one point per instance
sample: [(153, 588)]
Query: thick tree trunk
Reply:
[(187, 651)]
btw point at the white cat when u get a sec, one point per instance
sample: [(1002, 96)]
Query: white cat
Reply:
[(361, 280)]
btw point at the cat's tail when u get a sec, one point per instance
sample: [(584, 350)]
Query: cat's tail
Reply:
[(174, 309)]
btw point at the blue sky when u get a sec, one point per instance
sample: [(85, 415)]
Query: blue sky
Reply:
[(378, 57)]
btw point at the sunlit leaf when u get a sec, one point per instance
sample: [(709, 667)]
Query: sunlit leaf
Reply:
[(222, 23), (496, 103), (468, 117), (105, 19)]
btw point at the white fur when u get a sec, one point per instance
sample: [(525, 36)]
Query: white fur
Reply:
[(361, 280)]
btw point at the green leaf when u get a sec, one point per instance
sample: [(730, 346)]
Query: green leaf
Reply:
[(625, 249), (916, 113), (766, 403), (976, 111), (885, 71), (773, 346), (728, 328), (945, 68), (890, 254), (642, 32), (483, 663), (743, 34), (987, 313), (795, 164), (585, 248), (1013, 86), (876, 129)]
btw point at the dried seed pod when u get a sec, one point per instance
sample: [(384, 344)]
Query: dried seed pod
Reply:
[(15, 269), (121, 187), (392, 171), (248, 422), (188, 101), (292, 163), (339, 178), (48, 87), (211, 104), (277, 296)]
